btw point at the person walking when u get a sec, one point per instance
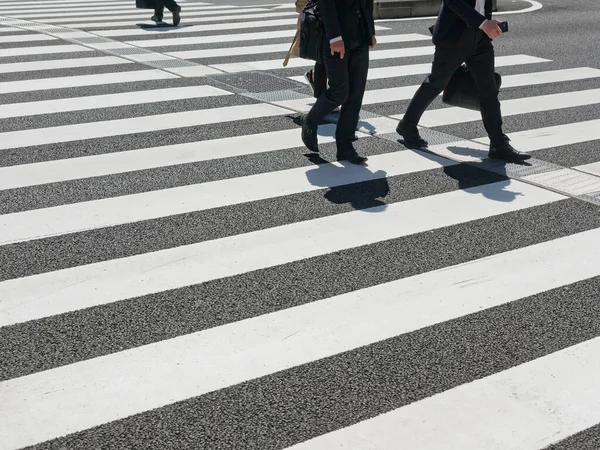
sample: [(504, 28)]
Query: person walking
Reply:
[(350, 32), (317, 77), (463, 32), (171, 6)]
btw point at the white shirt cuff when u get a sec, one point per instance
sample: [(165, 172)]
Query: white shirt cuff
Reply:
[(339, 38), (482, 23)]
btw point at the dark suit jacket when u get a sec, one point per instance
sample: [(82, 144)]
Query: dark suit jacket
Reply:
[(341, 18), (454, 17)]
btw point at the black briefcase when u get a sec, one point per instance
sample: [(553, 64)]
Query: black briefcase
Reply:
[(312, 33), (145, 4), (462, 91)]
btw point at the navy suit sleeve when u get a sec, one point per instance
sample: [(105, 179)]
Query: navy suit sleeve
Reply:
[(466, 13), (329, 13)]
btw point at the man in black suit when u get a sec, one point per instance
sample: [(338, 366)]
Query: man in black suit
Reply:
[(463, 32), (350, 32)]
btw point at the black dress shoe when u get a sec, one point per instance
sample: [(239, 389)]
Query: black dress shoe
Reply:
[(176, 16), (503, 150), (410, 133), (348, 153), (309, 136), (156, 18)]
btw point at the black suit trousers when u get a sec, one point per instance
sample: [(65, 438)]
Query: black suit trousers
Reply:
[(476, 50), (347, 83), (160, 6)]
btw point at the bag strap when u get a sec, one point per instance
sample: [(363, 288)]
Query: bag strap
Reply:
[(287, 58)]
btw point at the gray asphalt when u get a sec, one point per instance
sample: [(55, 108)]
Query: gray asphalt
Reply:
[(292, 406)]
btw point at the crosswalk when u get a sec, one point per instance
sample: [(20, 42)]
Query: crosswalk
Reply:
[(176, 271)]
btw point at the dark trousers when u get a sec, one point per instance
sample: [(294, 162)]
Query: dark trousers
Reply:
[(320, 79), (160, 6), (476, 50), (347, 83)]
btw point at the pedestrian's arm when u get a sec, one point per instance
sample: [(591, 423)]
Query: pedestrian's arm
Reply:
[(331, 20), (466, 13)]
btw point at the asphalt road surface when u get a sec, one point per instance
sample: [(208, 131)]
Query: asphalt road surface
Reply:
[(177, 272)]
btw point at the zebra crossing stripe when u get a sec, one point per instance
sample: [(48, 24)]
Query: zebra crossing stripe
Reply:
[(555, 136), (101, 283), (532, 405), (592, 169), (12, 177), (190, 13), (379, 73), (44, 50), (264, 49), (213, 39), (26, 38), (222, 18), (54, 64), (273, 64), (92, 130), (92, 392), (27, 225), (108, 101), (10, 87), (525, 105), (115, 11), (212, 27)]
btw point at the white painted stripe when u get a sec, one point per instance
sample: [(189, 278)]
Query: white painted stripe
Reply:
[(593, 169), (212, 39), (243, 37), (259, 49), (93, 392), (231, 51), (49, 3), (120, 127), (272, 64), (203, 28), (55, 64), (529, 406), (83, 80), (40, 223), (526, 105), (44, 50), (109, 12), (554, 76), (188, 20), (535, 78), (137, 15), (108, 100), (194, 71), (396, 38), (12, 177), (74, 3), (527, 141), (549, 137), (71, 289), (26, 38), (379, 73)]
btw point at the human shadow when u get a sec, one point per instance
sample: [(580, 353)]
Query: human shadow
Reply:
[(482, 175), (160, 26), (350, 184)]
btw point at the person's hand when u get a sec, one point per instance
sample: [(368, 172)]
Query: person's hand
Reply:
[(492, 29), (373, 42), (338, 47)]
